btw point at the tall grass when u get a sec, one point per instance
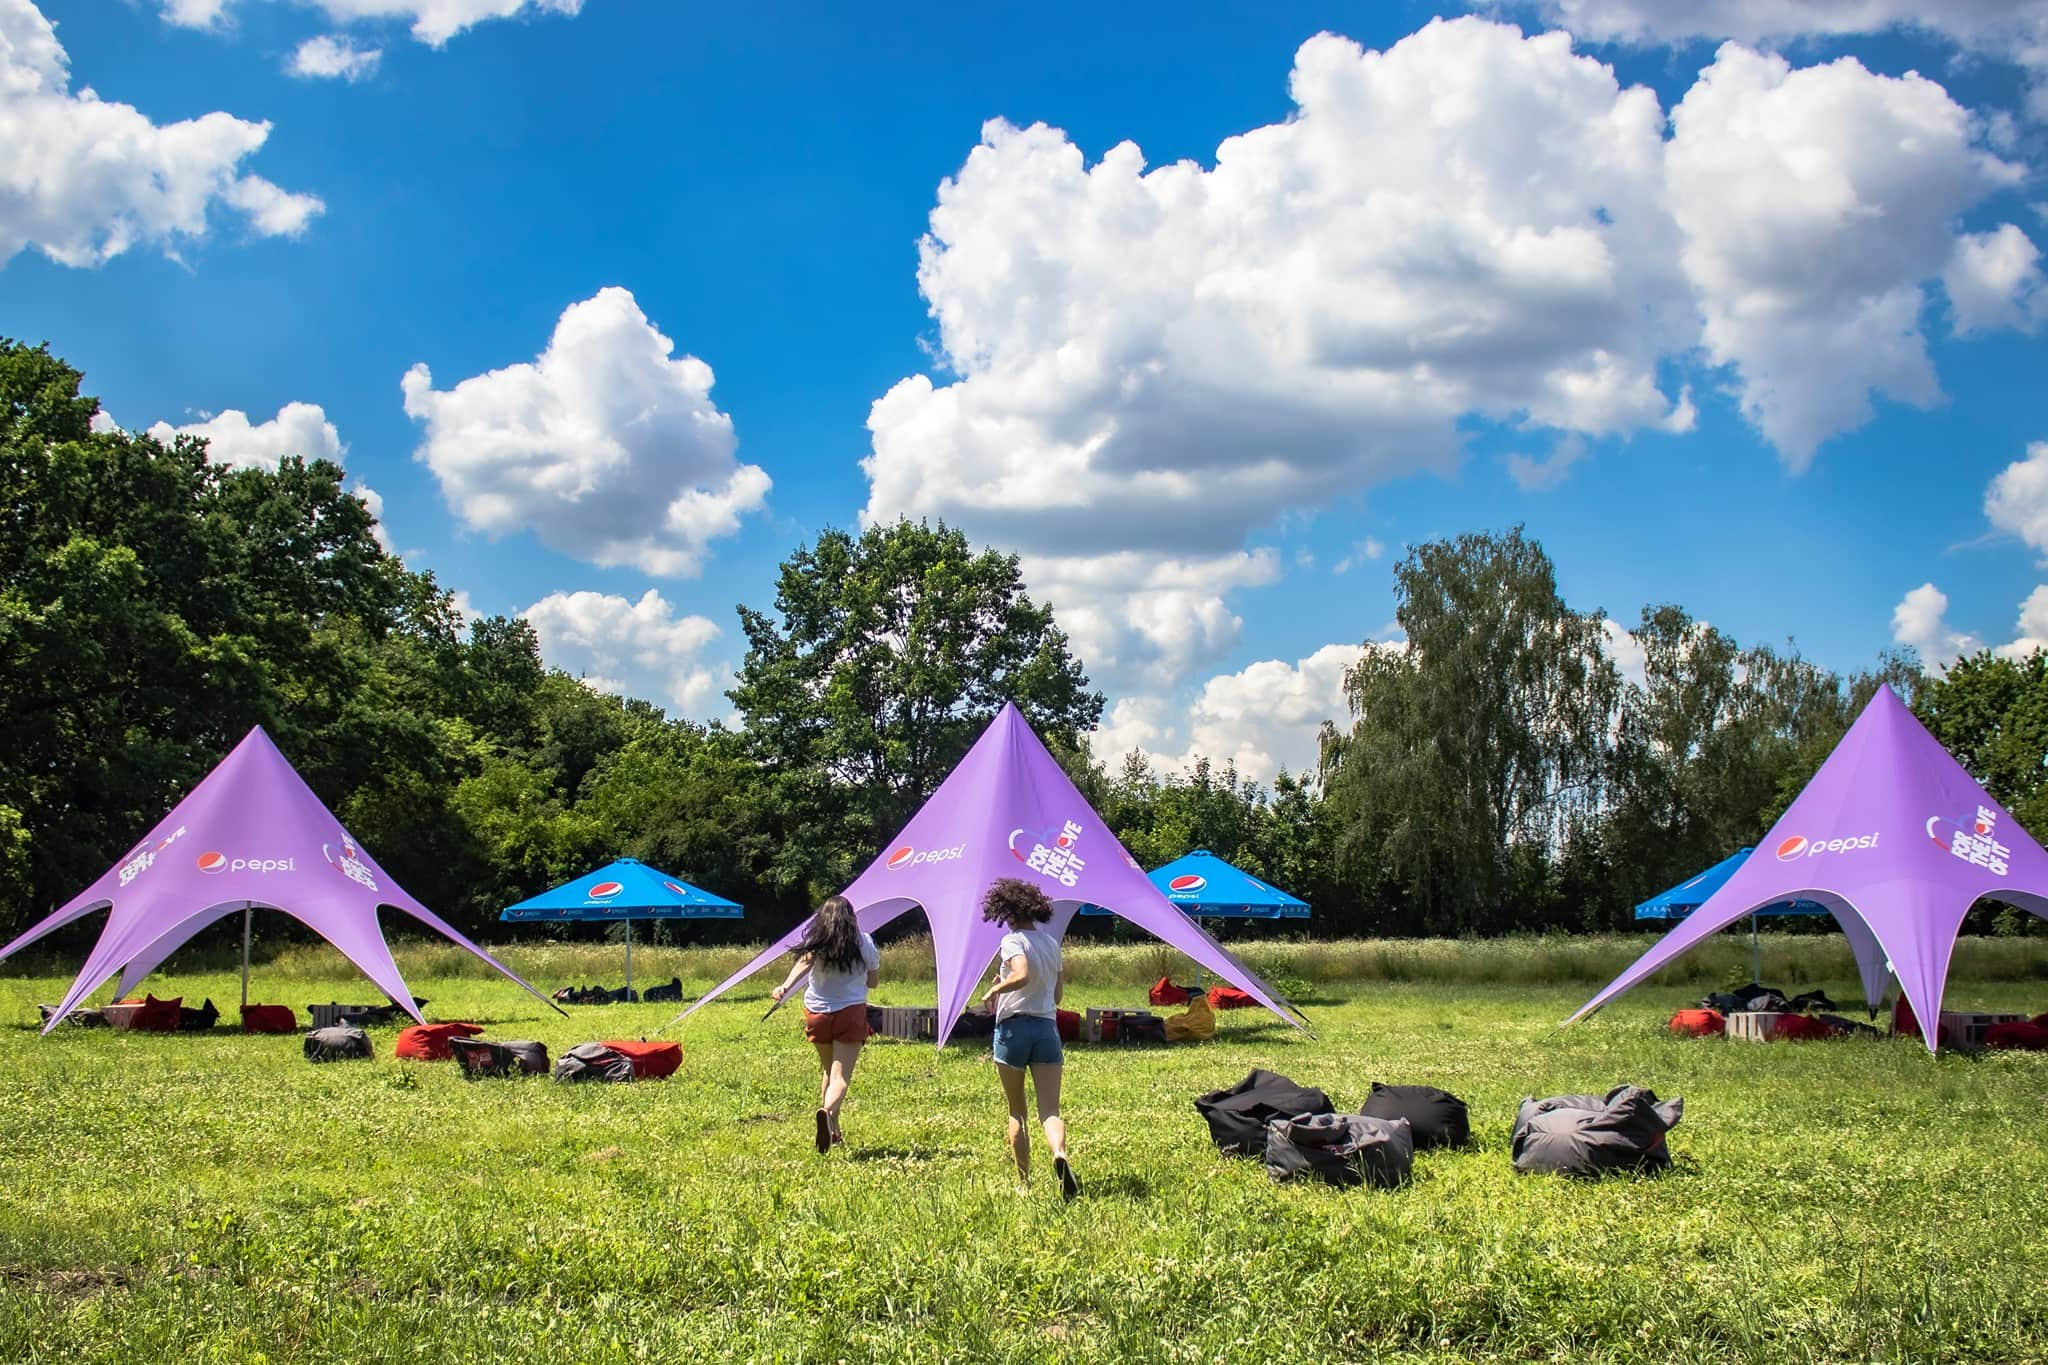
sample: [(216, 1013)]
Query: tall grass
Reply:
[(1589, 960)]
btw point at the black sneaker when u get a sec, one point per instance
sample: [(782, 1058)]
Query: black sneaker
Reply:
[(1069, 1186), (824, 1133)]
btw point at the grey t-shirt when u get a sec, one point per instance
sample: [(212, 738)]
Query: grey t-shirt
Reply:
[(1041, 953)]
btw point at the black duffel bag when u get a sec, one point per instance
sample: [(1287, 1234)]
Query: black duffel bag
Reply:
[(593, 1062), (1238, 1116), (1588, 1135), (1340, 1149), (337, 1043), (1436, 1117), (479, 1059)]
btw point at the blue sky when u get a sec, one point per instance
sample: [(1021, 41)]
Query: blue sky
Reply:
[(1771, 318)]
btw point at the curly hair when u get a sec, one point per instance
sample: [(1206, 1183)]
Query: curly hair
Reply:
[(833, 938), (1015, 904)]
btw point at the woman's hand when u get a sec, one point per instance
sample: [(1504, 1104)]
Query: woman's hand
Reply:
[(777, 994)]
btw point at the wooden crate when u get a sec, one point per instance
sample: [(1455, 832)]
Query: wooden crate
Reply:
[(907, 1021), (1756, 1026), (121, 1015)]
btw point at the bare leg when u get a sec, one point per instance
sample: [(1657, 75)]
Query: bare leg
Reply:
[(1045, 1079), (824, 1071), (1020, 1118), (839, 1075)]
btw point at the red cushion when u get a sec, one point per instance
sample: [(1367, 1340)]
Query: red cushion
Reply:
[(1903, 1022), (429, 1042), (2024, 1035), (1164, 992), (1069, 1025), (269, 1019), (1229, 998), (1699, 1023), (1800, 1028), (651, 1061), (158, 1016)]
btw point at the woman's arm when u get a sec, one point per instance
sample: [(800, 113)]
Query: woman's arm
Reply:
[(1059, 985), (796, 971), (1016, 971)]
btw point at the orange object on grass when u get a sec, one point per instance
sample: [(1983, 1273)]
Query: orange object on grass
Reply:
[(1700, 1023), (651, 1061), (429, 1042)]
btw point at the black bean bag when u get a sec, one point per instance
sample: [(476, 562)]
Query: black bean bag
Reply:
[(1238, 1116), (594, 1062), (1437, 1117), (1340, 1149), (337, 1043), (1586, 1135), (479, 1059)]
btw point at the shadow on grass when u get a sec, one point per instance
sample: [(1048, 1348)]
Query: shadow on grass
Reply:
[(903, 1154), (1121, 1185)]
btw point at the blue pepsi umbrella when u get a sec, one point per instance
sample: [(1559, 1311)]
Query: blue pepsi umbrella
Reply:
[(624, 890), (1203, 885), (1689, 895)]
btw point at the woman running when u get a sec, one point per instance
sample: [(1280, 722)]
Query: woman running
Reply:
[(1026, 1000), (844, 965)]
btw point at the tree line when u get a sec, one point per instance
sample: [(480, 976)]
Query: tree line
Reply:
[(1494, 773)]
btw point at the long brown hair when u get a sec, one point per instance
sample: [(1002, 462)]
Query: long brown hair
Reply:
[(833, 940)]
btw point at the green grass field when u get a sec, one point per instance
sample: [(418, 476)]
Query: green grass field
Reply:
[(216, 1198)]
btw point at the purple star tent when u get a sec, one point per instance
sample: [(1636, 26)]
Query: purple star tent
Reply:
[(1008, 810), (250, 835), (1895, 841)]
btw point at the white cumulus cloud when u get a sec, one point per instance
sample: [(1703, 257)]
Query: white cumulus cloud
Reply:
[(1626, 652), (333, 56), (1145, 366), (1815, 204), (2033, 626), (2017, 500), (1920, 622), (1264, 717), (605, 446), (432, 22), (232, 439), (84, 179), (635, 648)]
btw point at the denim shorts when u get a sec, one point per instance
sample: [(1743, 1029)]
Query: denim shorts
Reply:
[(1028, 1040)]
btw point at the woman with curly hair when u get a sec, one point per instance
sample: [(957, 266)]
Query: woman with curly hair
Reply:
[(1026, 998), (844, 965)]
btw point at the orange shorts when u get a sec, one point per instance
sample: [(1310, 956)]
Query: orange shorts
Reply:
[(849, 1025)]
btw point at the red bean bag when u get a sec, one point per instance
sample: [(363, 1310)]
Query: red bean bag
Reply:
[(1799, 1028), (1069, 1025), (1229, 998), (429, 1042), (158, 1016), (269, 1019), (651, 1061), (1164, 992), (2026, 1036), (1903, 1022), (1699, 1023)]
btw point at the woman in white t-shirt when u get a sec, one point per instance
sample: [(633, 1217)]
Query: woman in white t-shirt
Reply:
[(844, 965), (1026, 998)]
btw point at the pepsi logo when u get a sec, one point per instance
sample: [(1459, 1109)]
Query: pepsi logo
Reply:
[(1187, 884), (909, 856), (604, 891), (679, 890), (1799, 846), (1791, 848), (901, 856), (212, 862)]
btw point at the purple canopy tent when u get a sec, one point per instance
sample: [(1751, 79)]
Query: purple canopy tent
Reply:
[(250, 835), (1897, 842), (1008, 810)]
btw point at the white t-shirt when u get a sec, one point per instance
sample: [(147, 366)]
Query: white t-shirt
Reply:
[(1041, 953), (834, 988)]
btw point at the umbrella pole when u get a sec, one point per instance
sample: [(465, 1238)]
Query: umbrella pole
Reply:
[(245, 956), (629, 959)]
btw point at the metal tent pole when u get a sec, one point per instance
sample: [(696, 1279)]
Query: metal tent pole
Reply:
[(629, 959), (1756, 954), (246, 909)]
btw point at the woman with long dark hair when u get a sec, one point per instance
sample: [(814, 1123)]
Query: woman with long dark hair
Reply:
[(1026, 998), (844, 965)]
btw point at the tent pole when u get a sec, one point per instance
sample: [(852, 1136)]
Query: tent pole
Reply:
[(629, 958), (1756, 953), (245, 954)]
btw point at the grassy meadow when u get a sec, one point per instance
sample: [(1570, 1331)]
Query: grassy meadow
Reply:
[(216, 1198)]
